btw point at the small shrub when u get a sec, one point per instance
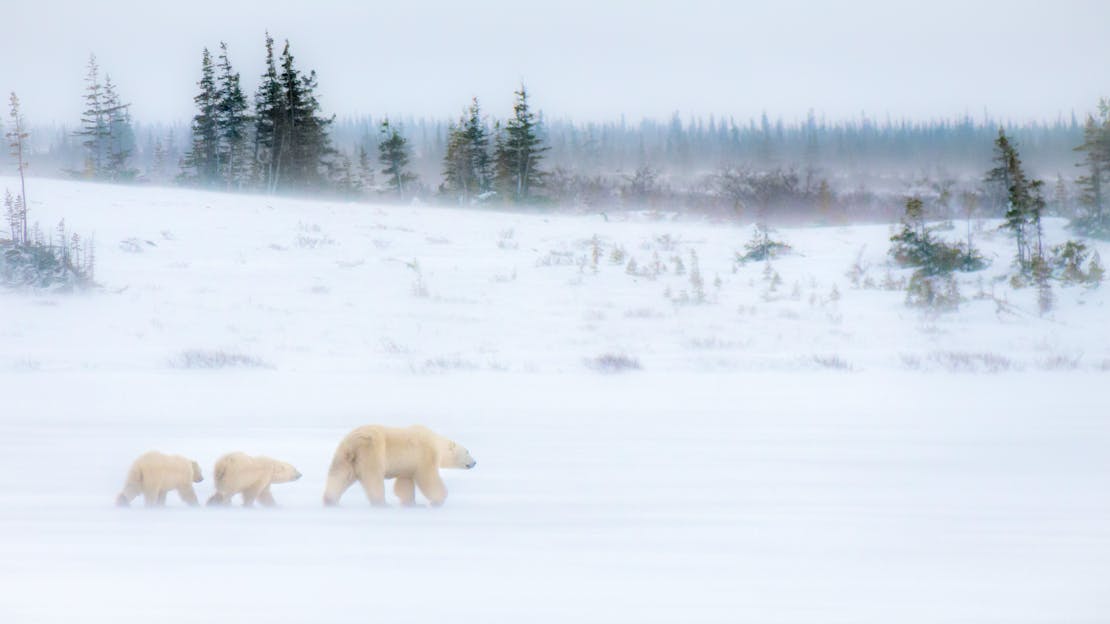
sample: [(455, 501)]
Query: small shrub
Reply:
[(213, 359), (834, 362), (613, 363), (963, 361), (1066, 262), (310, 236), (761, 247), (933, 292)]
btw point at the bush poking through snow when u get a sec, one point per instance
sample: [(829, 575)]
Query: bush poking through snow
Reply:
[(614, 363), (834, 362), (762, 247), (65, 264), (916, 246), (969, 362), (419, 286), (310, 236), (213, 359), (938, 293), (1067, 262)]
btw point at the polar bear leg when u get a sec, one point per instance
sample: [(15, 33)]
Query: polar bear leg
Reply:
[(217, 499), (186, 493), (252, 492), (130, 491), (405, 490), (340, 477), (431, 485), (150, 496), (374, 486), (266, 498)]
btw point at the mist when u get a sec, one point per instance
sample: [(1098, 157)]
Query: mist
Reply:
[(590, 61)]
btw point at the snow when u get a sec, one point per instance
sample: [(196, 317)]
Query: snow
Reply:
[(779, 456)]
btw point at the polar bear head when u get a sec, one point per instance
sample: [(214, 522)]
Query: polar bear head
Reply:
[(455, 456), (197, 477), (284, 473)]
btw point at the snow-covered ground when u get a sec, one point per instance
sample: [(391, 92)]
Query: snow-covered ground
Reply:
[(813, 451)]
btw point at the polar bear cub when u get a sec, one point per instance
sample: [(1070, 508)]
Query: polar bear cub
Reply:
[(411, 455), (239, 473), (154, 474)]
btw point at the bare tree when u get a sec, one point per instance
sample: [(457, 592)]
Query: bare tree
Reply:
[(16, 137)]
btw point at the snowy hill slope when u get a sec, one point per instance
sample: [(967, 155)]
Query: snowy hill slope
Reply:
[(779, 455)]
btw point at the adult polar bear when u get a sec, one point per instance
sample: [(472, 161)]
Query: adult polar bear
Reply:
[(411, 455)]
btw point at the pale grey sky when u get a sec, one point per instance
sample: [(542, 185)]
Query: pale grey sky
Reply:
[(584, 59)]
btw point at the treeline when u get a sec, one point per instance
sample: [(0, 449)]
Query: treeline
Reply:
[(280, 140)]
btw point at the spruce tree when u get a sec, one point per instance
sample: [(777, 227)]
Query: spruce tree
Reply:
[(232, 122), (1024, 203), (478, 138), (94, 123), (121, 136), (267, 120), (301, 133), (1096, 161), (394, 158), (458, 173), (519, 152), (202, 163)]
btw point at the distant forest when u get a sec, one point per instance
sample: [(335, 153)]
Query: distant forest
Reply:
[(281, 140)]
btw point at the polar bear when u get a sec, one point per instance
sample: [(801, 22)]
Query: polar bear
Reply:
[(154, 474), (411, 455), (239, 473)]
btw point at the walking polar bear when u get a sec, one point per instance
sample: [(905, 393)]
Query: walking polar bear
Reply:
[(239, 473), (154, 474), (411, 455)]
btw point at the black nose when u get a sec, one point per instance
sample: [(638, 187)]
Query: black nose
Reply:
[(471, 465)]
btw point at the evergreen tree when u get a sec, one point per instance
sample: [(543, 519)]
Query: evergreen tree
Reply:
[(478, 138), (365, 169), (458, 173), (202, 163), (301, 133), (232, 122), (1024, 203), (394, 158), (519, 152), (1096, 161), (121, 136), (267, 119), (94, 123)]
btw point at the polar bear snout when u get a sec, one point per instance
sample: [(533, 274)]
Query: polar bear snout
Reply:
[(471, 464), (297, 476)]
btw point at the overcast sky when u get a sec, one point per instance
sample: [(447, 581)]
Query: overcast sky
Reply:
[(582, 59)]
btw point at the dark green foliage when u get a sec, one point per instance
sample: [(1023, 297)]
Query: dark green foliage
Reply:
[(232, 123), (917, 246), (393, 155), (1024, 202), (1067, 264), (1093, 220), (518, 151), (267, 117), (301, 134), (933, 292), (466, 165), (761, 246), (108, 138), (201, 164)]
